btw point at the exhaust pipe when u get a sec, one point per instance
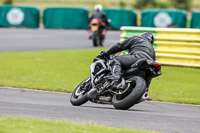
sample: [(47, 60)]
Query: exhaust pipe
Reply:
[(144, 97)]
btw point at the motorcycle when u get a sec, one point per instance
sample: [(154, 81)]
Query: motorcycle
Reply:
[(97, 32), (131, 89)]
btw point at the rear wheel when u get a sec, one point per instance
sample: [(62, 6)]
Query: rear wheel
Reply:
[(79, 95), (95, 39), (132, 95), (101, 41)]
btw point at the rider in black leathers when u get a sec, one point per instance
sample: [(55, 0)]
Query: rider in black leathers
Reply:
[(139, 47)]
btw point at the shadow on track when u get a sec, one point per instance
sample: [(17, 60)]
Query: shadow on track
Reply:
[(113, 109)]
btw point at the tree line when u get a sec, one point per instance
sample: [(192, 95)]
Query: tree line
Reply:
[(144, 4)]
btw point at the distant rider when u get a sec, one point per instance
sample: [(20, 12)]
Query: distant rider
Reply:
[(98, 14)]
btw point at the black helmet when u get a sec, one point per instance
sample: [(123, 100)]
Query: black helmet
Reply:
[(148, 36)]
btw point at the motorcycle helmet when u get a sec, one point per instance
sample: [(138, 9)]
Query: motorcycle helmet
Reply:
[(148, 36), (98, 7)]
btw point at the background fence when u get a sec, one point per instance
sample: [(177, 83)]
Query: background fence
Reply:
[(18, 16), (173, 46), (77, 18), (164, 18), (67, 18), (121, 17)]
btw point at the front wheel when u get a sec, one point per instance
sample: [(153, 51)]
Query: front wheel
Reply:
[(79, 95), (132, 95)]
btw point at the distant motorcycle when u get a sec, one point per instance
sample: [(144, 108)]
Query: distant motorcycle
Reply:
[(97, 32), (123, 94)]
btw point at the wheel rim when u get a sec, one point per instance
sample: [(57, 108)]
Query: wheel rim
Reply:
[(82, 88), (79, 92), (124, 95)]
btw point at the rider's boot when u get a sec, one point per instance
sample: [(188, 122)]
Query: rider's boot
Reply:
[(116, 74)]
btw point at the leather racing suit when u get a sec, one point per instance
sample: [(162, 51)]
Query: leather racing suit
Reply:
[(138, 48)]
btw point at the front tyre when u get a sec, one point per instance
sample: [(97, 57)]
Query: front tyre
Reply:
[(79, 95), (133, 94)]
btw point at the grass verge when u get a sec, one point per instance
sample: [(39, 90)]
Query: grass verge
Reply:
[(63, 70), (46, 70), (24, 125)]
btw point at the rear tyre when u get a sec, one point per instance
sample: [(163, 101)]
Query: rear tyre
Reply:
[(95, 39), (101, 40), (132, 96), (79, 95)]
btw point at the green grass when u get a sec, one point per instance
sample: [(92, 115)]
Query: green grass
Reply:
[(177, 84), (63, 70), (47, 70), (24, 125)]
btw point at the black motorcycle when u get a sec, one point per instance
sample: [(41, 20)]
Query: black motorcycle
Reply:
[(123, 94)]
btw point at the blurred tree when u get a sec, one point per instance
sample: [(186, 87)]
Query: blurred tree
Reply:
[(182, 4), (122, 4), (160, 4), (141, 4), (8, 2)]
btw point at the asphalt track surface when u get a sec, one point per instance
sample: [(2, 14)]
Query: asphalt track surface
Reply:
[(13, 39), (154, 116)]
